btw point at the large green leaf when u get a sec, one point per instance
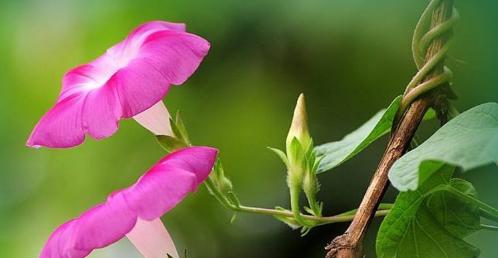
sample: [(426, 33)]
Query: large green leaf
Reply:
[(335, 153), (457, 216), (468, 141), (430, 222)]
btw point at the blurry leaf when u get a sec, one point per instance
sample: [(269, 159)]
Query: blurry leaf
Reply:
[(430, 222), (468, 141), (335, 153), (430, 114), (170, 143)]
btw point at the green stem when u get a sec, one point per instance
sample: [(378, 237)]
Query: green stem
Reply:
[(217, 194), (343, 217), (383, 210), (430, 84), (294, 199)]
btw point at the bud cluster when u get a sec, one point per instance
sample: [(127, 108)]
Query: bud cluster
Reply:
[(302, 164)]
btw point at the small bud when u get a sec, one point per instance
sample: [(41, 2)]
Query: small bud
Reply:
[(299, 126), (223, 184), (298, 143), (310, 184), (310, 188)]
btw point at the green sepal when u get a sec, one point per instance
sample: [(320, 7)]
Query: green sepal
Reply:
[(291, 222), (170, 143), (180, 127), (280, 154), (315, 209), (295, 153)]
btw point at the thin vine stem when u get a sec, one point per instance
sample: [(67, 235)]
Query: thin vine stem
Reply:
[(383, 210), (422, 40), (343, 217)]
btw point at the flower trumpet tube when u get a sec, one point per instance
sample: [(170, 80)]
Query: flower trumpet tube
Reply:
[(128, 79), (158, 191)]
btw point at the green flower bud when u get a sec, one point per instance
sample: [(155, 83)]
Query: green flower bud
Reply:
[(299, 126)]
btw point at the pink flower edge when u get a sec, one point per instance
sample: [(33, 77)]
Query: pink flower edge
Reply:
[(126, 80), (159, 190)]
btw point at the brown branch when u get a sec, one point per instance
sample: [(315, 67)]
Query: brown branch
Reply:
[(349, 245)]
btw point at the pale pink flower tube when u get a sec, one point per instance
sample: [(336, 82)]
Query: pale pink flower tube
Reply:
[(129, 78), (155, 193)]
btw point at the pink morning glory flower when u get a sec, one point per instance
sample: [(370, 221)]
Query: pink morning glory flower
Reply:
[(129, 78), (155, 193)]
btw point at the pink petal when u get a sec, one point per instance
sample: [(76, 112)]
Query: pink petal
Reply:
[(128, 79), (103, 224), (139, 86), (152, 239), (165, 56), (136, 38), (61, 126), (101, 113), (161, 51), (155, 193), (143, 196), (189, 171)]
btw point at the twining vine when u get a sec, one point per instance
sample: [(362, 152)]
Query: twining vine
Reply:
[(430, 45), (423, 37)]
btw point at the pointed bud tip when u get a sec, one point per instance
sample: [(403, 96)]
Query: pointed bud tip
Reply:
[(301, 99), (299, 126)]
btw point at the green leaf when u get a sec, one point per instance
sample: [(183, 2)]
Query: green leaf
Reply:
[(170, 143), (429, 222), (468, 141), (459, 217), (335, 153)]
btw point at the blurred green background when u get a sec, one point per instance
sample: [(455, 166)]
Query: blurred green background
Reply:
[(350, 58)]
